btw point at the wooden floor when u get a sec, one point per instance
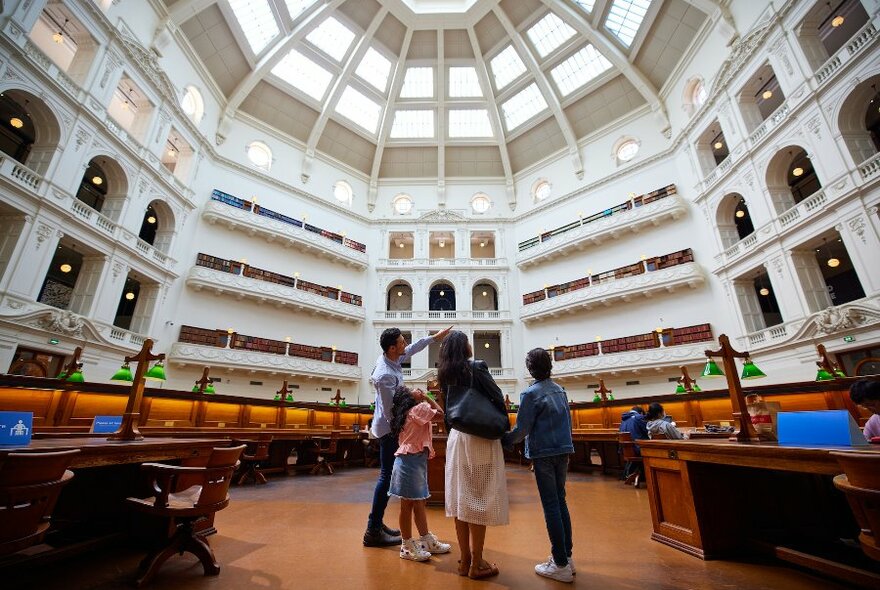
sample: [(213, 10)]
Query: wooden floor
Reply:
[(305, 532)]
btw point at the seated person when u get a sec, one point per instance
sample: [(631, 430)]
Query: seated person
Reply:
[(659, 423), (633, 421), (866, 393)]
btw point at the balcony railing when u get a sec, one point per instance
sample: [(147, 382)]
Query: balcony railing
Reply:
[(771, 122), (444, 262), (458, 315), (20, 174), (870, 167), (863, 38), (500, 373)]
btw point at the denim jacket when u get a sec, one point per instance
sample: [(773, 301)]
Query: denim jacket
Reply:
[(543, 420)]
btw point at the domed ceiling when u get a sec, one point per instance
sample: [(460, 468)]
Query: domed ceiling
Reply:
[(443, 88)]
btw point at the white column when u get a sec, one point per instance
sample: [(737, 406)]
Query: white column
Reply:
[(88, 285), (109, 291), (27, 270), (506, 352), (863, 246), (420, 360), (12, 230), (812, 288)]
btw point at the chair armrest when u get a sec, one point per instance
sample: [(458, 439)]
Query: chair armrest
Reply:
[(163, 478)]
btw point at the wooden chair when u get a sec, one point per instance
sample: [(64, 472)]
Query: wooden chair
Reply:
[(255, 452), (326, 447), (30, 484), (186, 508), (659, 436), (629, 455), (861, 484)]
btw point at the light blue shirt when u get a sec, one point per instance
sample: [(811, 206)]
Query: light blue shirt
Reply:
[(387, 376)]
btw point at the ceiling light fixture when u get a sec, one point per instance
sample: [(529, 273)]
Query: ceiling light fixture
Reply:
[(797, 171), (442, 244), (718, 145), (129, 295), (740, 213), (833, 261), (837, 21), (400, 245), (58, 36), (65, 268), (764, 291), (400, 293), (485, 293), (486, 345), (151, 219), (482, 244), (767, 94), (97, 180), (16, 122), (442, 293)]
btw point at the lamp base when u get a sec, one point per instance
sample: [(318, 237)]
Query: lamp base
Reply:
[(128, 430)]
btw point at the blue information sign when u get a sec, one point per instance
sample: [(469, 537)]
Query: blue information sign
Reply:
[(106, 424), (16, 428)]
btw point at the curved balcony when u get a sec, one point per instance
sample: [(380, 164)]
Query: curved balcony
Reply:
[(288, 234), (669, 356), (443, 316), (240, 287), (234, 359), (423, 375), (689, 274)]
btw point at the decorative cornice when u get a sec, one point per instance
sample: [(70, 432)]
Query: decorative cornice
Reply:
[(245, 360), (684, 275), (262, 291), (670, 356)]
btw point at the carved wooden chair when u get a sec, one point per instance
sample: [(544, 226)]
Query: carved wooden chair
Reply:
[(186, 508), (861, 484), (256, 452), (326, 449), (630, 457), (30, 484)]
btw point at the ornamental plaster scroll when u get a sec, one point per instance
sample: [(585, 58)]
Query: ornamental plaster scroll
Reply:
[(673, 206), (260, 361), (148, 60), (643, 359), (689, 274), (82, 136), (43, 234), (442, 216), (842, 318), (114, 62), (206, 278), (246, 221), (857, 227)]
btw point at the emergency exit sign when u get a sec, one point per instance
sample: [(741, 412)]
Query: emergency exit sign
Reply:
[(849, 338)]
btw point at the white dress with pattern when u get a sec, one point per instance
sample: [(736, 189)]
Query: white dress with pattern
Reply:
[(476, 485)]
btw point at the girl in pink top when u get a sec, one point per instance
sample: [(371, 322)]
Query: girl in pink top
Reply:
[(411, 415)]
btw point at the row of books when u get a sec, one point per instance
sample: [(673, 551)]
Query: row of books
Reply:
[(648, 265), (668, 337), (633, 203), (232, 201)]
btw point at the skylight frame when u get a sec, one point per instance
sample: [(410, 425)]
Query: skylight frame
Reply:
[(357, 107), (330, 36), (457, 119), (579, 69), (297, 7), (370, 69), (308, 68), (506, 67), (413, 86), (461, 85), (624, 19), (549, 34), (413, 124), (523, 106), (257, 21)]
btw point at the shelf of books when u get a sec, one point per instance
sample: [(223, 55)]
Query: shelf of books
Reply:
[(651, 208), (247, 216)]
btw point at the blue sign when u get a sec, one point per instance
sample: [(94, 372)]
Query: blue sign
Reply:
[(106, 424), (819, 428), (16, 428)]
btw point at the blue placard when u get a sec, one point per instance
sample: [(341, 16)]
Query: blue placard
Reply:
[(106, 424), (834, 428), (16, 428)]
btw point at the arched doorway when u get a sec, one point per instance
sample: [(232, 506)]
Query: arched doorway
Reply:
[(441, 297), (29, 131), (733, 219), (791, 178)]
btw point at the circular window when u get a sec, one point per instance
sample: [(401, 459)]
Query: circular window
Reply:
[(481, 203), (402, 204), (627, 150), (259, 154), (342, 191), (192, 103), (542, 190)]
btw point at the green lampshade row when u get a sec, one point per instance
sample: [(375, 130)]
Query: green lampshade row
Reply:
[(751, 371), (712, 370), (823, 375), (156, 372)]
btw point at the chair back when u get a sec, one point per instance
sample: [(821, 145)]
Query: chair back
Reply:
[(328, 445), (217, 477), (627, 447), (659, 436), (29, 487), (861, 484), (258, 450)]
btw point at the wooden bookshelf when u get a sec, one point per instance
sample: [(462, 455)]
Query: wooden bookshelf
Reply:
[(669, 337)]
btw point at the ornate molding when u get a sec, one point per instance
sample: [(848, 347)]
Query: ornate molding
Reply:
[(671, 356), (857, 227), (442, 216)]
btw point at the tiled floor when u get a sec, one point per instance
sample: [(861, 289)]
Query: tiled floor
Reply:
[(304, 532)]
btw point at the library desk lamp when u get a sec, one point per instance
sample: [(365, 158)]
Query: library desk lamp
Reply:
[(123, 374), (603, 393), (686, 384), (828, 369), (72, 371), (205, 384), (128, 429), (285, 393)]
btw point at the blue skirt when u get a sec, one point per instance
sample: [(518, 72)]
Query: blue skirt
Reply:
[(409, 477)]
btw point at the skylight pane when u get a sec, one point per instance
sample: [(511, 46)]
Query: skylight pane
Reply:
[(295, 7), (332, 38), (418, 83), (463, 82), (303, 74), (469, 123), (506, 67), (579, 69), (358, 108), (413, 124), (625, 17), (374, 68), (523, 106), (256, 20), (586, 4), (549, 33)]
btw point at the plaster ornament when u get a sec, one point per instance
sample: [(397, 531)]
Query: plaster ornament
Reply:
[(62, 322)]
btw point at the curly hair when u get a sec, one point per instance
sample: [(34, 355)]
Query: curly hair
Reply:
[(401, 404), (454, 367), (539, 364)]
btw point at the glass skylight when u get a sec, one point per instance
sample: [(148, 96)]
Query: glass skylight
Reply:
[(506, 67), (295, 7), (358, 108), (413, 124), (579, 69), (374, 68), (463, 82), (331, 37), (469, 123), (549, 33), (625, 17), (303, 74), (418, 83), (523, 106), (586, 4), (256, 20)]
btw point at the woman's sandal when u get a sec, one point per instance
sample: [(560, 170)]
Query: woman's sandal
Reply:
[(480, 573), (463, 568)]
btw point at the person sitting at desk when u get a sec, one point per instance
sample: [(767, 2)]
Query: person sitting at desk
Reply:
[(866, 393), (660, 423)]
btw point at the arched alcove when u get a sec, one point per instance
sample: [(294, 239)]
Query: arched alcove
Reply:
[(158, 225), (399, 296), (31, 132), (859, 120), (791, 177), (484, 296), (441, 297), (733, 219), (104, 186)]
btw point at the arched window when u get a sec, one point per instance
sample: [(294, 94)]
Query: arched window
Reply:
[(542, 189), (260, 155), (402, 204), (192, 104), (626, 150), (343, 192), (481, 202)]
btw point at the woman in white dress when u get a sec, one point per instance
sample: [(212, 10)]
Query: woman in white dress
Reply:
[(476, 486)]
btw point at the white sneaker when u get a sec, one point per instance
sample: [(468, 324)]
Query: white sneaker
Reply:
[(549, 569), (570, 564), (413, 550), (433, 545)]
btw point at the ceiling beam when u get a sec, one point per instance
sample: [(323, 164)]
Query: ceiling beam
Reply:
[(719, 13), (186, 9), (545, 88)]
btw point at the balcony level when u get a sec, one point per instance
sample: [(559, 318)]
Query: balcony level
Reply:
[(631, 216), (432, 263), (444, 316), (418, 376)]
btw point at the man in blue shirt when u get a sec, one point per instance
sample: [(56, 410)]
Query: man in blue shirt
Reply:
[(386, 376)]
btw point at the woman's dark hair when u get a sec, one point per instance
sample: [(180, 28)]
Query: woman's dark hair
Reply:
[(401, 404), (655, 411), (389, 338), (538, 363), (864, 389), (638, 410), (454, 367)]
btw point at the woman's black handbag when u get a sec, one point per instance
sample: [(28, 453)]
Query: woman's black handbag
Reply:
[(470, 410)]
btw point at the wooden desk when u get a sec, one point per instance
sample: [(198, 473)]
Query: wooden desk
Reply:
[(96, 451), (604, 441), (715, 499)]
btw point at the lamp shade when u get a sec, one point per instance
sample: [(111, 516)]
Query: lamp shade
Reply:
[(210, 388), (823, 375), (372, 406), (696, 388), (289, 397), (156, 372), (62, 375), (342, 404), (839, 373), (751, 371), (712, 369), (76, 377), (611, 397), (680, 389), (597, 398), (123, 374), (195, 389)]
